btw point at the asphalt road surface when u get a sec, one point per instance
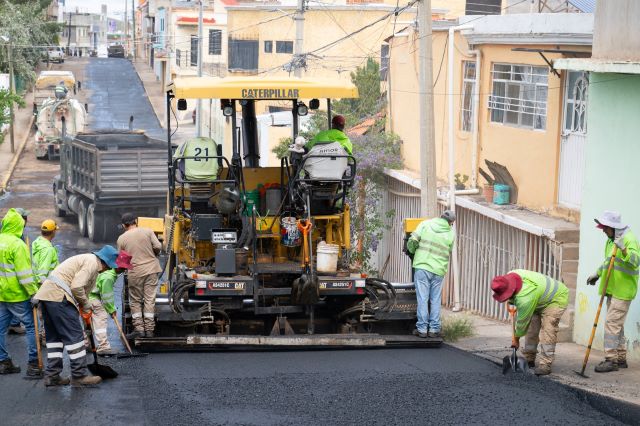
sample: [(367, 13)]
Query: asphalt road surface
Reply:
[(391, 387)]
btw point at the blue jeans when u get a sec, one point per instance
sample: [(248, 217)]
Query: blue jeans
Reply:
[(23, 312), (428, 291)]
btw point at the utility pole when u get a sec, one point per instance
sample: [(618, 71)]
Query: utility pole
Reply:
[(200, 43), (133, 34), (69, 38), (126, 25), (298, 49), (11, 91), (428, 196)]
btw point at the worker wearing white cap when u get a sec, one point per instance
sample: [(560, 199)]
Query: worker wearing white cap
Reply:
[(621, 290)]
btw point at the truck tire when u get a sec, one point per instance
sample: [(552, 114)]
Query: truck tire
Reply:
[(95, 224), (56, 207), (82, 218)]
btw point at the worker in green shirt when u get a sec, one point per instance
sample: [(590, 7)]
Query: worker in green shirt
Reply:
[(103, 305), (622, 287), (540, 302), (44, 254), (335, 134)]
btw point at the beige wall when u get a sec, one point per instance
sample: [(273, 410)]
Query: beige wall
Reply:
[(530, 155)]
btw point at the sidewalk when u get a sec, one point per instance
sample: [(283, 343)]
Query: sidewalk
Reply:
[(157, 98), (492, 340), (22, 129)]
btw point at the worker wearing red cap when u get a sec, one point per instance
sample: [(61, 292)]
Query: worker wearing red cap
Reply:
[(540, 302), (335, 134)]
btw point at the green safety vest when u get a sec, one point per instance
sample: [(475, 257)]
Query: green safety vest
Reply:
[(60, 89), (538, 292), (200, 169), (103, 291), (17, 282), (331, 135), (44, 257), (431, 243), (623, 283)]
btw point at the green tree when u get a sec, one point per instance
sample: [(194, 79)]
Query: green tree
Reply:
[(6, 99), (24, 23), (370, 101)]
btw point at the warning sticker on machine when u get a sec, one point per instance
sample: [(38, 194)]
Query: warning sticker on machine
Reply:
[(226, 285)]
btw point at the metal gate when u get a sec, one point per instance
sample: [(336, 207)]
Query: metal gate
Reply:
[(573, 141)]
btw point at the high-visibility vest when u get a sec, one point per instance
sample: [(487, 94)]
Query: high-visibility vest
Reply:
[(623, 283), (432, 242), (199, 168), (538, 292), (44, 258), (17, 282)]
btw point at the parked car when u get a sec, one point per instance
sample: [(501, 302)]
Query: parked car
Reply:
[(55, 54), (115, 51)]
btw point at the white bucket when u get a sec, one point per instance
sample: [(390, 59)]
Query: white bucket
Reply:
[(327, 255)]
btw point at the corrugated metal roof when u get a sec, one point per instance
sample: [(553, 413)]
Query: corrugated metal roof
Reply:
[(585, 6)]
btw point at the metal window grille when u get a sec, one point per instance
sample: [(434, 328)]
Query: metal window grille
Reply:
[(519, 96), (243, 54), (193, 58), (468, 90), (384, 62), (268, 46), (284, 46), (178, 56), (575, 117), (215, 42)]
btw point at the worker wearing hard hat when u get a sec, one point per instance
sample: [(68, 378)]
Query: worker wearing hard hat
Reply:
[(540, 302), (61, 91), (44, 254), (103, 303), (17, 285), (430, 245), (621, 289), (62, 294)]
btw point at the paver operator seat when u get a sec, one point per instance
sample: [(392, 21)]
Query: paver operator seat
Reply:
[(197, 170)]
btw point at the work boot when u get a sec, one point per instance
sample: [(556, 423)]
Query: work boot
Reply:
[(79, 382), (434, 334), (106, 352), (56, 381), (135, 334), (606, 366), (531, 363), (17, 329), (33, 372), (542, 370), (622, 363), (420, 334), (149, 334), (7, 367)]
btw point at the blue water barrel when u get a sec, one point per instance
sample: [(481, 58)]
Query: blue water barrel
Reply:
[(501, 194)]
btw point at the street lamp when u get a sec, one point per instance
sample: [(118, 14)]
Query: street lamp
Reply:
[(7, 42)]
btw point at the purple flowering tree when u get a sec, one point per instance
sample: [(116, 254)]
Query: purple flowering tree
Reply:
[(373, 152)]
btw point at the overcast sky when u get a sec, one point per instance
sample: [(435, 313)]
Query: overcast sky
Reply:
[(93, 6)]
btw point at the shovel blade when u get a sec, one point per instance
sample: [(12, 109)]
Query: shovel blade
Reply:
[(310, 292), (104, 371), (507, 365)]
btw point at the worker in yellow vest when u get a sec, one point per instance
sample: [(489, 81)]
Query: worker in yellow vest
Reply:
[(622, 288)]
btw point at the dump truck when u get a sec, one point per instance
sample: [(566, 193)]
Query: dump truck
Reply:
[(106, 173), (239, 274), (51, 112)]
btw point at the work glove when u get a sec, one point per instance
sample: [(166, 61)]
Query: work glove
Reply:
[(34, 302), (619, 241), (593, 279), (86, 315)]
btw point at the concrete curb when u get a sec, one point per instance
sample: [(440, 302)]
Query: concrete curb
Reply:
[(623, 411), (14, 161)]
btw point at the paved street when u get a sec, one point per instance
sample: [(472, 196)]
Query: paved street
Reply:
[(410, 386)]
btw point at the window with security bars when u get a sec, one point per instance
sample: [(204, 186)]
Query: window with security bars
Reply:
[(519, 95), (215, 42), (284, 46), (468, 89), (178, 56)]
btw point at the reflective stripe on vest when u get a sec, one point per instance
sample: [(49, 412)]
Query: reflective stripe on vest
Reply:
[(546, 296), (434, 248)]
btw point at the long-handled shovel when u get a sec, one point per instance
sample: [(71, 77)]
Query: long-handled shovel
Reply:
[(595, 321), (513, 362), (104, 371), (125, 341), (38, 347)]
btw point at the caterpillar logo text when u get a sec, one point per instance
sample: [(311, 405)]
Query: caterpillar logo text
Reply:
[(224, 285), (270, 93)]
